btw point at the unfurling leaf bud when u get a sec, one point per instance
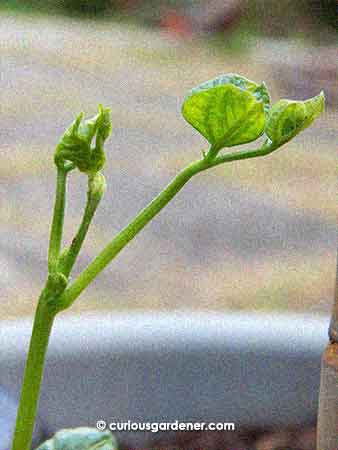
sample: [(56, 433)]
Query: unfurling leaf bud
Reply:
[(287, 118), (76, 144)]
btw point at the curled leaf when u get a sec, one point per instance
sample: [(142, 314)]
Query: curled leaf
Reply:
[(287, 118), (229, 110), (80, 439), (76, 144)]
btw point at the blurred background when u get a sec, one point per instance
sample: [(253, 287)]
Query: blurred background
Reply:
[(255, 235)]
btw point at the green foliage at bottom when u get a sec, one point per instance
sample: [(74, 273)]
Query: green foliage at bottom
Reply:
[(80, 439)]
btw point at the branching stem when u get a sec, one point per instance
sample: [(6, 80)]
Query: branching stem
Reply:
[(55, 297), (145, 216)]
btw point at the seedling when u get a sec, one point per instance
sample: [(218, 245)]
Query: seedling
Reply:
[(228, 111)]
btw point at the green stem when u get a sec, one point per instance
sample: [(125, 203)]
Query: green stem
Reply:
[(128, 233), (58, 218), (30, 390), (266, 148), (211, 154), (145, 216), (55, 298), (68, 258)]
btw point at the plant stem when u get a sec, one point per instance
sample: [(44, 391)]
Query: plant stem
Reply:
[(30, 390), (55, 298), (58, 218), (128, 233), (67, 260), (43, 322), (67, 263), (141, 220), (266, 148), (145, 216)]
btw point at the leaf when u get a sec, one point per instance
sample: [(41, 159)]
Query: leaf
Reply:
[(287, 118), (229, 110), (80, 439), (76, 143)]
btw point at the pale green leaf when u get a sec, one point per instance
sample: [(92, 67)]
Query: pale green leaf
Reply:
[(287, 118), (227, 111), (80, 439)]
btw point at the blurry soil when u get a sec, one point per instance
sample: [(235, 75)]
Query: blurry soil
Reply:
[(300, 438)]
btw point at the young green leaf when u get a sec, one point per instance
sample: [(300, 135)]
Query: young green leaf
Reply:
[(287, 118), (229, 110), (76, 144), (80, 439)]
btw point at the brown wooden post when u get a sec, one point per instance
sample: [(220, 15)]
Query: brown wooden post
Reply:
[(327, 436)]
